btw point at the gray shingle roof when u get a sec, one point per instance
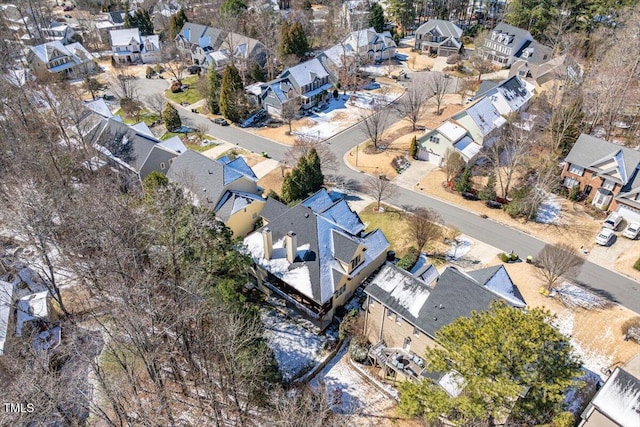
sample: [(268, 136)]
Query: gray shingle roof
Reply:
[(306, 72), (314, 276), (343, 246), (445, 28), (589, 150), (200, 174), (518, 33), (273, 209), (455, 295)]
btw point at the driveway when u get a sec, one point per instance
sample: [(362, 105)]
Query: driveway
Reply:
[(412, 176)]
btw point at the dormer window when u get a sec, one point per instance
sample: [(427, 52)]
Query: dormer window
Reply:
[(356, 262)]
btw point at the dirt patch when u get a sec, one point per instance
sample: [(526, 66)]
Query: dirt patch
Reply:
[(417, 61), (596, 334), (279, 134), (272, 180), (575, 227)]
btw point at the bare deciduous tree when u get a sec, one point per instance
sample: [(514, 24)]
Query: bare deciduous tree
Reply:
[(453, 163), (125, 87), (412, 104), (303, 144), (378, 187), (289, 111), (424, 225), (556, 261), (437, 84), (375, 125), (156, 102)]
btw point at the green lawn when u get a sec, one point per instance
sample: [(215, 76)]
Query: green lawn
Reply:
[(145, 115), (392, 224), (190, 95)]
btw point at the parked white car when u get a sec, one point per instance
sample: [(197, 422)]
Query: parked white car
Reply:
[(632, 231), (612, 221), (605, 236)]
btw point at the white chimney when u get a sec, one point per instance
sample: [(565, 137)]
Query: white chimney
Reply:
[(267, 240), (291, 243)]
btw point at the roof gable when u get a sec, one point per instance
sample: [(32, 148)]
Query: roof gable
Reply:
[(619, 398)]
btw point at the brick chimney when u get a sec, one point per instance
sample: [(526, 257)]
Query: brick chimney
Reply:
[(267, 240), (291, 243)]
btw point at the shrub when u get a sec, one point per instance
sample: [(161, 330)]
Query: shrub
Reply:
[(631, 328), (637, 265), (335, 93), (176, 87), (409, 260), (149, 71), (454, 59), (574, 193), (509, 257), (358, 348)]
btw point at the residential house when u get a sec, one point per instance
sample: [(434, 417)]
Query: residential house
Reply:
[(403, 313), (69, 61), (607, 173), (108, 22), (7, 299), (541, 71), (227, 186), (372, 45), (33, 309), (434, 145), (355, 14), (616, 403), (135, 153), (58, 31), (482, 120), (128, 47), (243, 51), (306, 85), (507, 44), (439, 37), (511, 96), (314, 255), (196, 41)]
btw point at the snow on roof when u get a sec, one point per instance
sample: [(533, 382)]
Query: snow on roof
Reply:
[(501, 284), (32, 307), (453, 383), (619, 398), (342, 215), (100, 107), (485, 116), (124, 37), (467, 147), (306, 72), (407, 291), (319, 201), (452, 131)]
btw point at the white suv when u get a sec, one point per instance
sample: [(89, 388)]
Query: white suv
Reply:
[(612, 221)]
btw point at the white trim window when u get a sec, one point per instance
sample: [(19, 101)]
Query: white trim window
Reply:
[(608, 185), (576, 170), (570, 182)]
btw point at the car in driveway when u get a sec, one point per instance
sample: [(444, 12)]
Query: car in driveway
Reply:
[(613, 221), (220, 121), (605, 236), (632, 231)]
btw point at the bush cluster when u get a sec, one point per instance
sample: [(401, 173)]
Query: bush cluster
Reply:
[(637, 265), (409, 260), (508, 257)]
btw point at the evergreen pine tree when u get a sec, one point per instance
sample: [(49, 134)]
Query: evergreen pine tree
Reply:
[(171, 118), (231, 95), (488, 192), (376, 17), (316, 178), (413, 148), (232, 8), (176, 23), (464, 182), (129, 21), (256, 73), (214, 91), (293, 39)]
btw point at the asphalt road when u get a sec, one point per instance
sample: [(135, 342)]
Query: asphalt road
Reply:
[(606, 282)]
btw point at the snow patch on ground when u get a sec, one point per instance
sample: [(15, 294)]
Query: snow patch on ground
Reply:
[(295, 348), (342, 112), (591, 358), (549, 210), (350, 393), (459, 248), (576, 296)]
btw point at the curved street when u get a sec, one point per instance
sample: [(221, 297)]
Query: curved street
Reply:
[(615, 286)]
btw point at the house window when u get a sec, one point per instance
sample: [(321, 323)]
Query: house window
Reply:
[(608, 185), (390, 313), (571, 182), (434, 139), (162, 165), (594, 174), (576, 170), (372, 302), (416, 332), (355, 262), (398, 319)]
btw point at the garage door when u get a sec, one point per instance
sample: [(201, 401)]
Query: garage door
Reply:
[(629, 214), (273, 111), (430, 157)]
